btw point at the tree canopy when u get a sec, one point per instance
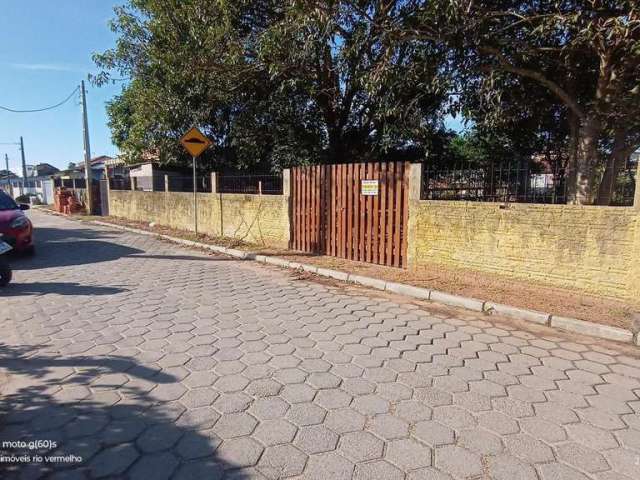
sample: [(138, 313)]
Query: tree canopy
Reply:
[(276, 83)]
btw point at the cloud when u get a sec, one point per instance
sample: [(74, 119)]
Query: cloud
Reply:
[(50, 67)]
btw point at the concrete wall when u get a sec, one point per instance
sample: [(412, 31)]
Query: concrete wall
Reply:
[(595, 249), (261, 219)]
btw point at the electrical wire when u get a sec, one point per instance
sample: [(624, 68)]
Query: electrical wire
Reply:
[(42, 109)]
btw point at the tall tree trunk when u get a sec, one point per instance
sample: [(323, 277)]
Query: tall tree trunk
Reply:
[(570, 176), (586, 161), (615, 162)]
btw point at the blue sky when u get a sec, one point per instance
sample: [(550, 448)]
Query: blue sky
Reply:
[(45, 50)]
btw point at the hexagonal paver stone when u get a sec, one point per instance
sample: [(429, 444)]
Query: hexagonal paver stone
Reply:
[(454, 417), (408, 454), (333, 398), (269, 408), (328, 466), (235, 425), (592, 437), (558, 471), (323, 380), (263, 387), (200, 379), (528, 448), (282, 461), (344, 420), (197, 445), (389, 427), (274, 432), (630, 438), (543, 430), (298, 393), (201, 418), (303, 414), (433, 433), (113, 461), (166, 392), (377, 470), (206, 468), (239, 452), (498, 422), (413, 411), (458, 461), (231, 383), (360, 446), (199, 397), (480, 441), (158, 437), (157, 466), (316, 439), (122, 431), (232, 402), (371, 404), (581, 457), (506, 467), (84, 425)]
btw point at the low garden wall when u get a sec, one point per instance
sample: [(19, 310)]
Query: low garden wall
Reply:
[(261, 219), (594, 249)]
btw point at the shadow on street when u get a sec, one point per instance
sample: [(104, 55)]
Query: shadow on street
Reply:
[(119, 430)]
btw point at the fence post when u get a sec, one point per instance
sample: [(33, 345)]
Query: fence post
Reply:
[(214, 182), (259, 187), (166, 183), (415, 181), (636, 198), (286, 182)]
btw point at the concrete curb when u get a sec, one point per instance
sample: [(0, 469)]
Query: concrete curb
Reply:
[(541, 318)]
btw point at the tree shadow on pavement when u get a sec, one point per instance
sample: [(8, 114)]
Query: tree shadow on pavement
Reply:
[(118, 428), (61, 247), (58, 288)]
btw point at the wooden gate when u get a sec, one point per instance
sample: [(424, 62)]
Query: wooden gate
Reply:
[(332, 216)]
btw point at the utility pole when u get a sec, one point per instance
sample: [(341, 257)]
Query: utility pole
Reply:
[(24, 166), (6, 161), (87, 151)]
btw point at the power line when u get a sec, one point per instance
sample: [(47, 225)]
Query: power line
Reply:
[(42, 109)]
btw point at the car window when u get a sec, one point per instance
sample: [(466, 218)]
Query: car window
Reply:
[(6, 202)]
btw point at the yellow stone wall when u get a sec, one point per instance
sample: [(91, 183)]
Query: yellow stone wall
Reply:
[(594, 249), (261, 219)]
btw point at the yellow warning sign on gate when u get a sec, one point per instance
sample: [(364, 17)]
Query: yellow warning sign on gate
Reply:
[(195, 142)]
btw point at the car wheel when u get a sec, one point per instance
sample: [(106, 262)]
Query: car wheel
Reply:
[(5, 274)]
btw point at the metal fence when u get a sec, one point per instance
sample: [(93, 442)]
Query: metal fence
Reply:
[(250, 184), (511, 184), (494, 184)]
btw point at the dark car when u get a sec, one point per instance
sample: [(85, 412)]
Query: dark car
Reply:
[(16, 228)]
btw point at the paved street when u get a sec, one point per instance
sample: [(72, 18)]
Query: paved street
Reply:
[(123, 356)]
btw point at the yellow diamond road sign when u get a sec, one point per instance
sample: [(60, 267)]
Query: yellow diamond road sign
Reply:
[(195, 142)]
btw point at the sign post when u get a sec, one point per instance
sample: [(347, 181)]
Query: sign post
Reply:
[(195, 143)]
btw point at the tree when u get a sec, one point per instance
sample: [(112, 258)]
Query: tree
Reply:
[(272, 83), (585, 54)]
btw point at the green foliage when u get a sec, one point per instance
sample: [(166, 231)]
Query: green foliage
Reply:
[(272, 83)]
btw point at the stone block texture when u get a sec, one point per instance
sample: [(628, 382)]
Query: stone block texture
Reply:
[(149, 360)]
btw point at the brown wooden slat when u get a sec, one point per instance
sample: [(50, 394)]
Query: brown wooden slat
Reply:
[(405, 215), (369, 216), (397, 241), (382, 213), (375, 215), (391, 174), (334, 208), (349, 212), (361, 213), (343, 212)]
